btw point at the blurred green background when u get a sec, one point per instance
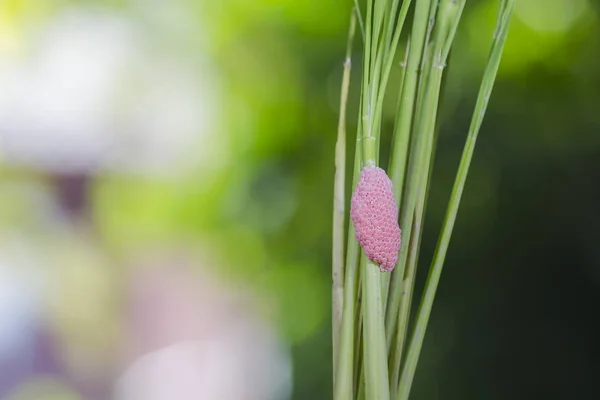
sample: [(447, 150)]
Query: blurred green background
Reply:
[(135, 134)]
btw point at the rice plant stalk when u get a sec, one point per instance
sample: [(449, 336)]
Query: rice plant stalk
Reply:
[(416, 342), (339, 201), (385, 310), (400, 153), (374, 347), (389, 58), (366, 154), (361, 24), (448, 17)]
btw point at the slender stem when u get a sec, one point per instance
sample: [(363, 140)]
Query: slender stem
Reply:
[(425, 64), (399, 153), (389, 58), (453, 28), (337, 291), (374, 350), (388, 28), (376, 374), (407, 285), (423, 202), (374, 122), (417, 181), (402, 75), (344, 386), (413, 255), (360, 19), (378, 47), (359, 382), (366, 105), (417, 173), (386, 278), (343, 383), (396, 349), (406, 379)]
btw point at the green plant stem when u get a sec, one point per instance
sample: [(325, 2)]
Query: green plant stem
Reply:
[(425, 63), (408, 284), (359, 383), (406, 378), (397, 193), (374, 349), (416, 179), (339, 200), (414, 252), (375, 360), (388, 27), (361, 24), (343, 383), (399, 155), (389, 58), (450, 40), (377, 50), (447, 17), (433, 147), (365, 90)]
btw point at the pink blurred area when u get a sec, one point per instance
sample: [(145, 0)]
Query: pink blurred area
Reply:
[(182, 334), (192, 338)]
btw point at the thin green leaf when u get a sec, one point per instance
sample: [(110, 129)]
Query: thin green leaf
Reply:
[(400, 152), (339, 202), (435, 271), (360, 19), (447, 17)]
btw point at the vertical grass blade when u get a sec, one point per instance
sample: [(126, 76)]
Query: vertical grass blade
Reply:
[(400, 151), (360, 19), (447, 19), (390, 54), (375, 354), (425, 307), (416, 175), (366, 73), (343, 382), (339, 200), (374, 348)]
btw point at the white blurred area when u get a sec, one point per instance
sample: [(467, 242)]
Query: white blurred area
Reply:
[(88, 92)]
